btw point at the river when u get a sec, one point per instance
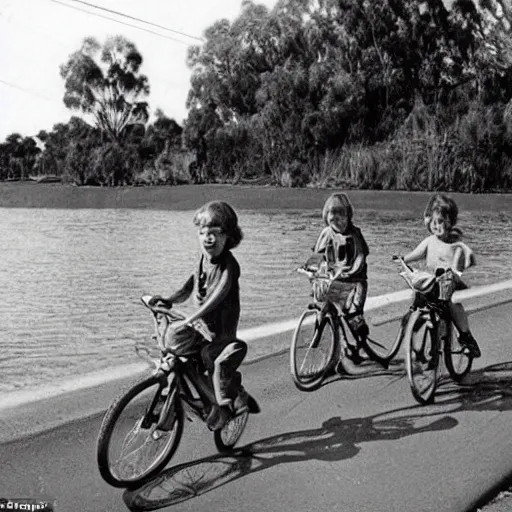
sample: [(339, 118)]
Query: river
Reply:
[(72, 279)]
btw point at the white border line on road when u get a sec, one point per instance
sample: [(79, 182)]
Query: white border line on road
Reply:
[(90, 380), (376, 302)]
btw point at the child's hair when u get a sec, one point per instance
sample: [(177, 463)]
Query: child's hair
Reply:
[(220, 214), (444, 206), (338, 200)]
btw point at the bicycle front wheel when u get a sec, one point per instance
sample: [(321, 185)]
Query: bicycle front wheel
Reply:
[(130, 448), (458, 359), (422, 356), (313, 350), (227, 437)]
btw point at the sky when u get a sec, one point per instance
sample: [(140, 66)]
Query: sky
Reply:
[(37, 36)]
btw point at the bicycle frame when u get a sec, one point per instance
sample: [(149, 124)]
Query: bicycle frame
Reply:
[(331, 304), (180, 368)]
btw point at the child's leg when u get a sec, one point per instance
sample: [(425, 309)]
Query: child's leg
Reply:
[(460, 319), (221, 361), (225, 377), (355, 310)]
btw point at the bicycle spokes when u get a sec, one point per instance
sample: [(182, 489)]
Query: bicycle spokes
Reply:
[(422, 357)]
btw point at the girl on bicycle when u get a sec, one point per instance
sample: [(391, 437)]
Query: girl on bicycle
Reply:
[(344, 248), (443, 250), (215, 290)]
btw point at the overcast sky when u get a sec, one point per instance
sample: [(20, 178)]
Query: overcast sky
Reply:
[(36, 36)]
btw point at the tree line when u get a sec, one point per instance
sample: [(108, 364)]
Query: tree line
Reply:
[(402, 94)]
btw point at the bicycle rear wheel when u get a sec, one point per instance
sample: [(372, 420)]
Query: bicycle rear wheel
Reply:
[(422, 356), (130, 449), (458, 360), (313, 351)]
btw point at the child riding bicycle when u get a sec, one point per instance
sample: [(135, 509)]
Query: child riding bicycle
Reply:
[(344, 249), (443, 250), (215, 290)]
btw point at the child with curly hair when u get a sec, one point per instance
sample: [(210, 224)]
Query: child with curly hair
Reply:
[(443, 250)]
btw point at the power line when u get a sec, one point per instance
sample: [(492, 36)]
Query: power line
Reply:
[(61, 43), (137, 19), (121, 22), (24, 89)]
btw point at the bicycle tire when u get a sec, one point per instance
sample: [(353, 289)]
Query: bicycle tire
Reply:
[(457, 359), (422, 356), (226, 437), (126, 402), (313, 355)]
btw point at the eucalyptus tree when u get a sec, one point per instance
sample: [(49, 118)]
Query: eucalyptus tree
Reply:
[(19, 155), (106, 82), (59, 141)]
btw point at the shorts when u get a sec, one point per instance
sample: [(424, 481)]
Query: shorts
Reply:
[(356, 298)]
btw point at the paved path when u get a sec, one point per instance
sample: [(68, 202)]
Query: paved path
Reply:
[(354, 445)]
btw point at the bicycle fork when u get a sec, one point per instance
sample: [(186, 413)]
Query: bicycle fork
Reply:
[(167, 416)]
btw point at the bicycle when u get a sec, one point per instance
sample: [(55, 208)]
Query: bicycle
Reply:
[(323, 337), (429, 333), (149, 416)]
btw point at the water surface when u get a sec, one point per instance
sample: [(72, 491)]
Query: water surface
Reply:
[(72, 279)]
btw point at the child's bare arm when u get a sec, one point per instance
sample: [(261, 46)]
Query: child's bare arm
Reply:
[(321, 241), (178, 296), (458, 260), (419, 253), (357, 265)]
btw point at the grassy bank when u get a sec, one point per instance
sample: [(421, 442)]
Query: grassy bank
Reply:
[(189, 197)]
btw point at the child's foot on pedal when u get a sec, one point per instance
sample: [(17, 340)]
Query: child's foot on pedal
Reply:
[(467, 340)]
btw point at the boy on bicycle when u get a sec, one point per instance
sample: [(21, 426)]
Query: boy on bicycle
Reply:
[(215, 289), (345, 250)]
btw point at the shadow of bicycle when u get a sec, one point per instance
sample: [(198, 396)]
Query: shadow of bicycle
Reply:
[(336, 439), (488, 388), (368, 370)]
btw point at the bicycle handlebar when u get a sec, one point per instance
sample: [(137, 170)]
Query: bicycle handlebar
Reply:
[(173, 315)]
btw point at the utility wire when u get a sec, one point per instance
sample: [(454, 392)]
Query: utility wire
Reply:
[(137, 19), (60, 43), (29, 91), (121, 22)]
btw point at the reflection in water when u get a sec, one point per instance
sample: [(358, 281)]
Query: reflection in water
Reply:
[(72, 278)]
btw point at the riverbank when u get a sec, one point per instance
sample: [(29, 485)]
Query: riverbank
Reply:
[(247, 197)]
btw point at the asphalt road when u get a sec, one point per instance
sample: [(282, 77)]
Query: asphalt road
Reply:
[(356, 445)]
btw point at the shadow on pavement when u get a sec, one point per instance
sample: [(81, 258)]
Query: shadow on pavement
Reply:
[(336, 439)]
